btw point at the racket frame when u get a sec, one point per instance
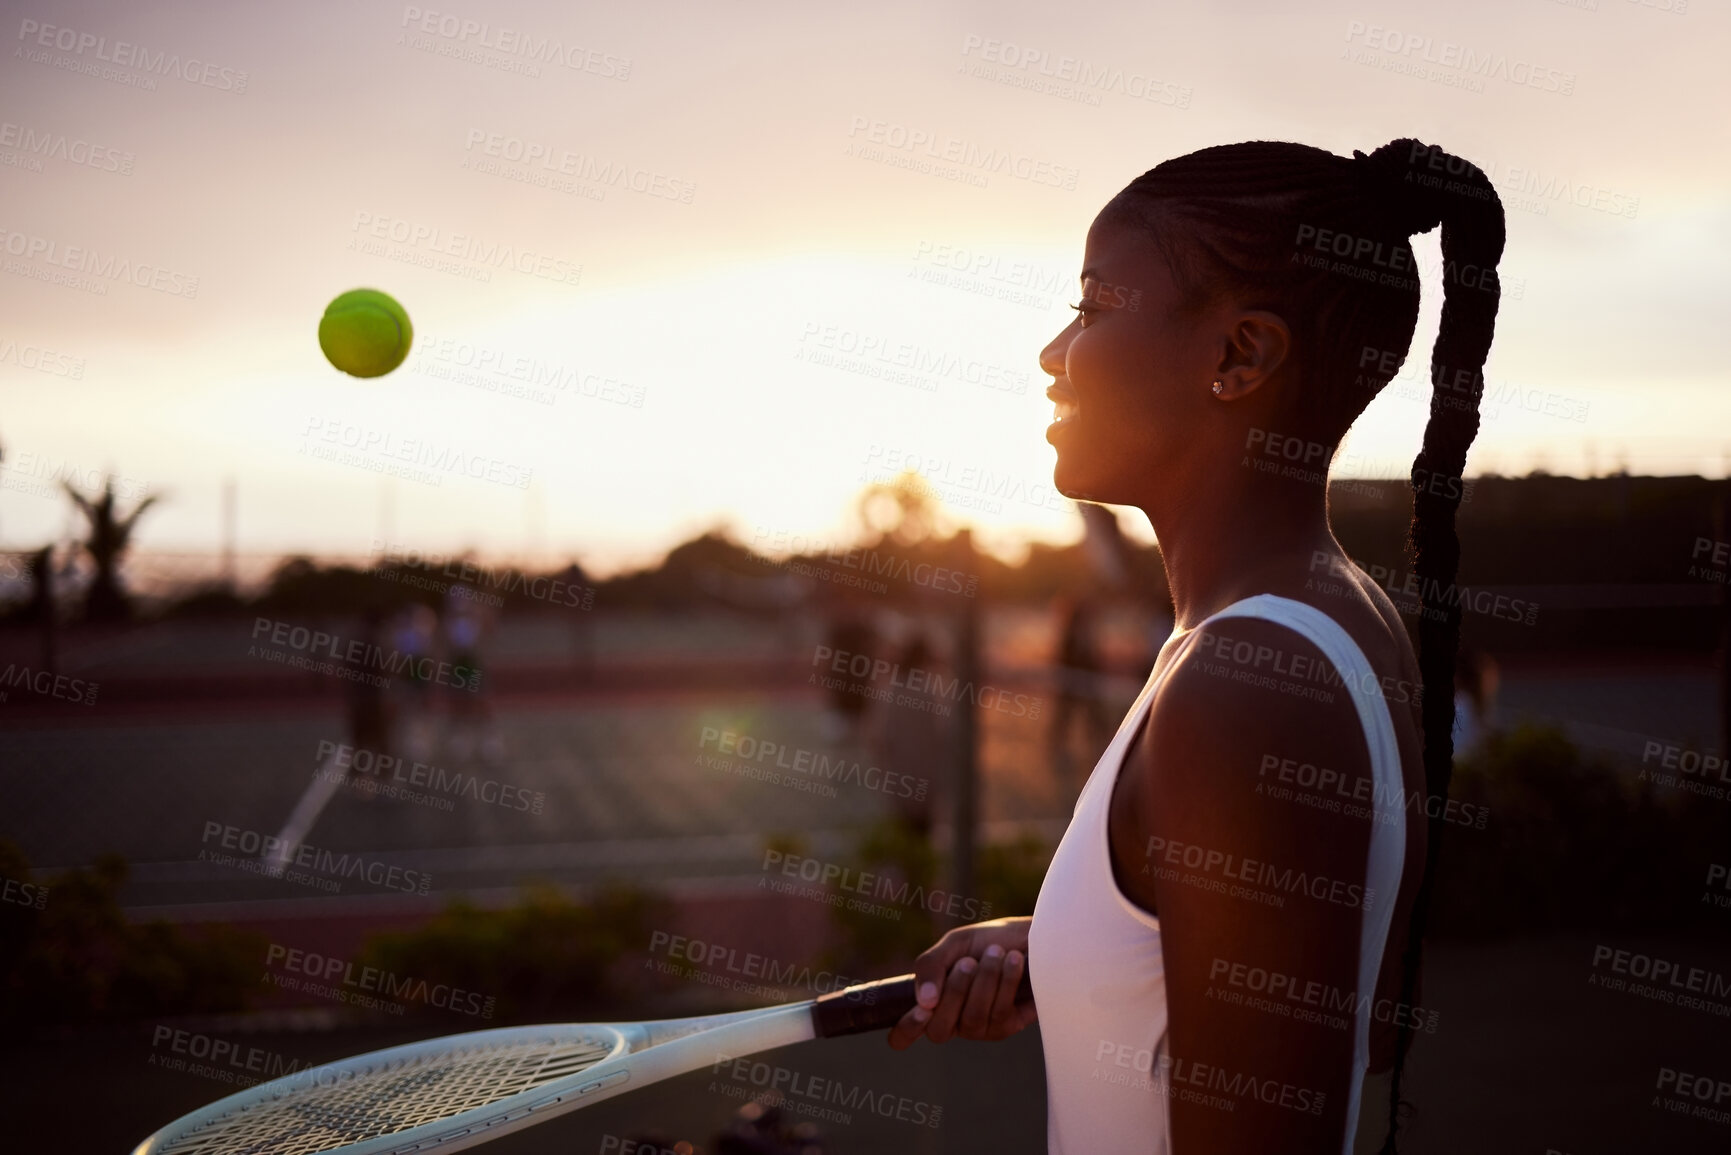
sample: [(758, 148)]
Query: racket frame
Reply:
[(642, 1053)]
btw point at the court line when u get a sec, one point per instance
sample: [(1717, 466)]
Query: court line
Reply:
[(326, 782)]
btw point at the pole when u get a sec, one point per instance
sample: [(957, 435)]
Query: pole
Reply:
[(966, 818), (229, 524), (1722, 532), (42, 590), (387, 515)]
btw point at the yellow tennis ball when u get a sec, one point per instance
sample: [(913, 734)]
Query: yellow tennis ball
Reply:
[(365, 333)]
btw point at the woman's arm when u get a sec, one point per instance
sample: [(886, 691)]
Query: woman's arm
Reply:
[(1258, 875), (966, 983)]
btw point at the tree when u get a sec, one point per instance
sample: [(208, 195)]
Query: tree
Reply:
[(110, 536), (905, 510)]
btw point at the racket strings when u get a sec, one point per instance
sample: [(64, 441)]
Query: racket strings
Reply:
[(349, 1105)]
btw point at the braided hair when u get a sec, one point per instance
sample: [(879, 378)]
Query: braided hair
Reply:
[(1321, 240)]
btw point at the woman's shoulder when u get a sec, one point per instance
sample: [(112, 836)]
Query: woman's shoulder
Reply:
[(1338, 597), (1247, 709), (1290, 654), (1249, 685)]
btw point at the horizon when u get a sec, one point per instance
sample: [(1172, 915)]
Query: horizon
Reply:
[(1009, 550), (637, 322)]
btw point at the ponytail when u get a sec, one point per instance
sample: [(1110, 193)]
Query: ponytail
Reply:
[(1422, 186)]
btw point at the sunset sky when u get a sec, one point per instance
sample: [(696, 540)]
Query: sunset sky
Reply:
[(699, 238)]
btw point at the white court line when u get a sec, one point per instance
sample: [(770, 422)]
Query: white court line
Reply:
[(326, 782)]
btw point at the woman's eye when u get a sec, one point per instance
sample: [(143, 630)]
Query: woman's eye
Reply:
[(1084, 310)]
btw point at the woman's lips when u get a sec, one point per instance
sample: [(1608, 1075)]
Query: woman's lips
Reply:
[(1064, 407)]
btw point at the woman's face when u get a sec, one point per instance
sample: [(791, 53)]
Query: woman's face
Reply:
[(1132, 375)]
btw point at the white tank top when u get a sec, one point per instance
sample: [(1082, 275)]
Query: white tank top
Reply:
[(1094, 956)]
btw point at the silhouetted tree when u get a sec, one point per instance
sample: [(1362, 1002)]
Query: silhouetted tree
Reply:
[(110, 535), (905, 510)]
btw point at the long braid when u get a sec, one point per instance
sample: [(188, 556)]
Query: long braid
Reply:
[(1435, 185), (1234, 219)]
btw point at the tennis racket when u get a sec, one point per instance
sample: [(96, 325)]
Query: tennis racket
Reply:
[(453, 1092)]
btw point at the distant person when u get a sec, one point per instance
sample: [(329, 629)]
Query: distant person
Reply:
[(369, 709), (911, 740), (1476, 679), (42, 607), (414, 638), (848, 635), (1077, 669), (580, 617), (467, 623)]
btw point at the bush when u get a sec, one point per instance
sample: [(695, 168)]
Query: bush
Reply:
[(1009, 874), (1570, 842), (78, 960), (1007, 880), (544, 958), (872, 938)]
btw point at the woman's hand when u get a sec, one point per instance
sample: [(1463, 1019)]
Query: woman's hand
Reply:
[(966, 984)]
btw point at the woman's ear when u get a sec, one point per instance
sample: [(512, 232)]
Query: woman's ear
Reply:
[(1256, 344)]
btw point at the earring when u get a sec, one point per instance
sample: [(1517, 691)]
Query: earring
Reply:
[(1218, 388)]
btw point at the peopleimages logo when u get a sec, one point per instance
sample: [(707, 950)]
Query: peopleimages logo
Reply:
[(381, 450), (250, 844), (1308, 1000), (922, 362), (924, 688), (42, 476), (716, 958), (1190, 1081), (1661, 980), (356, 985), (1077, 78), (814, 764), (958, 485), (58, 146), (817, 1097), (1416, 591), (1692, 769), (1205, 862), (120, 53), (23, 892), (973, 158), (435, 241), (867, 560), (515, 42), (357, 653), (46, 684), (374, 772), (553, 591), (1699, 1096), (178, 1049), (870, 885), (1298, 674), (1414, 51), (41, 360), (577, 166), (105, 266), (1358, 797)]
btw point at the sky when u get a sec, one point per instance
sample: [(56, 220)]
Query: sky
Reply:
[(674, 266)]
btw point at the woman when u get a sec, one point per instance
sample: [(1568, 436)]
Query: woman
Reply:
[(1225, 948)]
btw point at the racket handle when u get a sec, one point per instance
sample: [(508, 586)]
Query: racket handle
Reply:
[(877, 1006)]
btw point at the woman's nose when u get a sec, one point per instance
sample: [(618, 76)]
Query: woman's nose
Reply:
[(1052, 356)]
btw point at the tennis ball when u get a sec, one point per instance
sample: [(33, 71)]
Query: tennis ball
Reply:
[(365, 333)]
